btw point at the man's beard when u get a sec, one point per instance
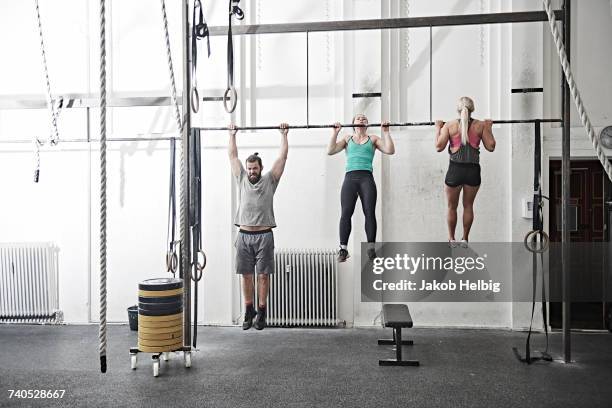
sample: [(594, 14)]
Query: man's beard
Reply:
[(254, 179)]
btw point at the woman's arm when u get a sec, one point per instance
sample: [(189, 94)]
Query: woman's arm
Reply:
[(385, 143), (334, 145), (488, 140), (442, 135)]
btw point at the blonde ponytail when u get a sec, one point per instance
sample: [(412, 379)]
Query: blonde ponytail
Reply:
[(465, 107), (465, 124)]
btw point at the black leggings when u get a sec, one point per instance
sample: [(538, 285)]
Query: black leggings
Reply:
[(358, 183)]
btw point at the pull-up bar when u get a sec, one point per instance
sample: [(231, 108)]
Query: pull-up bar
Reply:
[(350, 125), (388, 23)]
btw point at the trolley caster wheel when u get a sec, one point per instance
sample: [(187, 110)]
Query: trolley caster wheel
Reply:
[(133, 360), (156, 368), (166, 356), (187, 356)]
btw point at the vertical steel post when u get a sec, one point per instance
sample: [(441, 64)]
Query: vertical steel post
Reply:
[(537, 164), (430, 73), (185, 271), (565, 194), (307, 83)]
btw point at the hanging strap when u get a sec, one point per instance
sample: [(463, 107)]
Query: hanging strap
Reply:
[(230, 93), (198, 262), (531, 241), (199, 31), (537, 242), (171, 255)]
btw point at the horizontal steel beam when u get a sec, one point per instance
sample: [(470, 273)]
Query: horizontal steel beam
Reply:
[(527, 90), (387, 23), (83, 101), (371, 125), (110, 139)]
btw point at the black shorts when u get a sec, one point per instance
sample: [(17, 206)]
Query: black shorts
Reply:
[(459, 174)]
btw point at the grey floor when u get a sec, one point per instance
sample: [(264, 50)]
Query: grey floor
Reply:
[(304, 368)]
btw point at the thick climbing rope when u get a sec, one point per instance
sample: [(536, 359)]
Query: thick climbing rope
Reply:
[(54, 139), (584, 118), (179, 129), (102, 187), (177, 112), (53, 112)]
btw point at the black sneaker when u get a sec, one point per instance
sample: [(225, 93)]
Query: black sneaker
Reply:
[(342, 255), (371, 254), (248, 319), (260, 320)]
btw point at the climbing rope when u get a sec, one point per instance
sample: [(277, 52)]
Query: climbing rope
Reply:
[(102, 187), (179, 128), (53, 111), (584, 118), (177, 112)]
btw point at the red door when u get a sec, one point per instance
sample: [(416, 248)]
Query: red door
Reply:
[(588, 219)]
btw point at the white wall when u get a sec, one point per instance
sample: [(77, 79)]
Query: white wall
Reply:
[(483, 62)]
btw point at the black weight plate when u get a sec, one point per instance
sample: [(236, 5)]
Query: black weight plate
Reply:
[(161, 284), (160, 306), (165, 312), (164, 299)]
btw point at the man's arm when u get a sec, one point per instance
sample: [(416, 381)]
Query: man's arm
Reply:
[(279, 165), (232, 151)]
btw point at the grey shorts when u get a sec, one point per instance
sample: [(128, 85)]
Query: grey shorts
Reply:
[(254, 252)]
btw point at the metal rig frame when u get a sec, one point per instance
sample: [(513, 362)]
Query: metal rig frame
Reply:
[(89, 101)]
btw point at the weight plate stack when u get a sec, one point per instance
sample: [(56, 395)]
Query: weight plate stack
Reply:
[(160, 315)]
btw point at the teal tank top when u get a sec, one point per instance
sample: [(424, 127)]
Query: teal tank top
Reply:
[(359, 156)]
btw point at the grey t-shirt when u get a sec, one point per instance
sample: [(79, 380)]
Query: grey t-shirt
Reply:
[(255, 201)]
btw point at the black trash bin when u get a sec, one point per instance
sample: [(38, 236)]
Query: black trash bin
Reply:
[(133, 317)]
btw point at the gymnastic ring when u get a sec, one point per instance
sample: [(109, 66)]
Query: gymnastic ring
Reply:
[(171, 262), (233, 98), (529, 241), (199, 266), (195, 100)]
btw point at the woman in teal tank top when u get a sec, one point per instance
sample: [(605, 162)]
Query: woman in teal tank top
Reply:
[(358, 179)]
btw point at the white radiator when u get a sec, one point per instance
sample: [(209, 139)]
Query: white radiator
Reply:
[(29, 283), (304, 288)]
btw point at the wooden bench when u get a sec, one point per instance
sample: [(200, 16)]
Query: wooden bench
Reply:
[(397, 317)]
